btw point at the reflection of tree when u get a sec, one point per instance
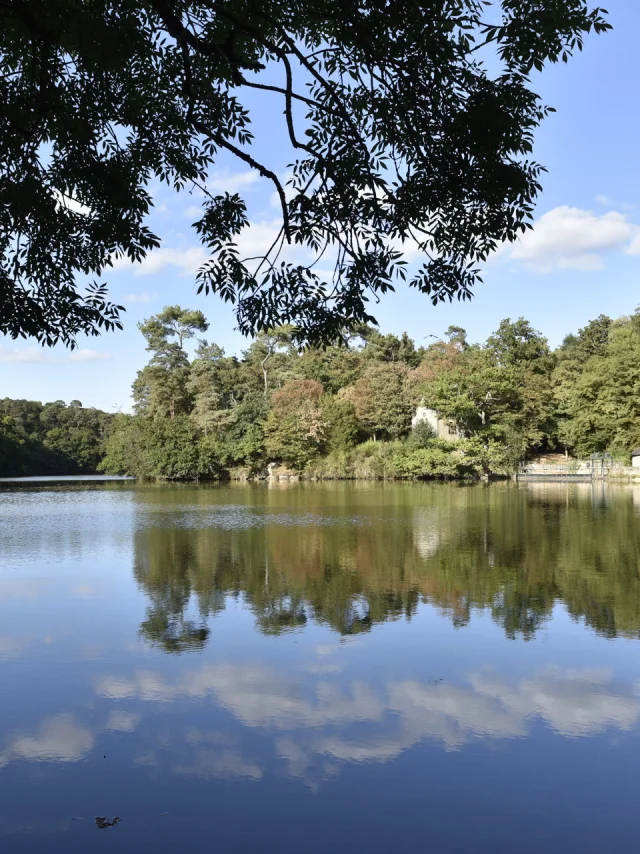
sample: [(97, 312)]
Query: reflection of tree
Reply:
[(511, 552), (173, 632), (165, 570)]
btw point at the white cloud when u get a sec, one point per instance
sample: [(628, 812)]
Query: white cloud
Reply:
[(71, 204), (41, 356), (186, 261), (254, 240), (634, 248), (24, 355), (571, 238), (258, 238), (225, 181), (86, 355), (140, 299)]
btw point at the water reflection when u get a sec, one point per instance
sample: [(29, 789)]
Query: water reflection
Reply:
[(307, 720), (332, 649), (512, 552), (58, 739)]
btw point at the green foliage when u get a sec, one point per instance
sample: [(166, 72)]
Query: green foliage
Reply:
[(296, 430), (391, 348), (205, 394), (341, 422), (381, 400), (167, 448), (597, 388), (421, 436), (243, 440), (267, 359), (334, 367), (346, 410), (11, 448), (501, 391), (118, 94), (162, 388), (393, 460), (50, 439)]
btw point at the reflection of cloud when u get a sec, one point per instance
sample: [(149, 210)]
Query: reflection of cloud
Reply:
[(122, 721), (572, 704), (312, 720), (197, 736), (225, 765), (427, 531), (577, 703), (10, 647), (326, 648), (255, 695), (20, 590), (59, 739), (319, 669), (294, 754), (210, 754), (146, 760)]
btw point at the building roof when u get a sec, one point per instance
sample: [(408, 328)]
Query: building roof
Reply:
[(636, 453)]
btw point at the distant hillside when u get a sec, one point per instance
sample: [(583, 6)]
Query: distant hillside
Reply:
[(53, 438)]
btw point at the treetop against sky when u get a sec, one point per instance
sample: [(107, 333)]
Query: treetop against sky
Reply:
[(579, 257)]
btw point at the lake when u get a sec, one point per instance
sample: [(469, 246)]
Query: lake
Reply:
[(319, 667)]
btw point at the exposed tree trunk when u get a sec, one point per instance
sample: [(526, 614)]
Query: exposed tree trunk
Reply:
[(263, 365)]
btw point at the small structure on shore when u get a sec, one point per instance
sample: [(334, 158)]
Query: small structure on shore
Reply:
[(635, 458), (442, 428)]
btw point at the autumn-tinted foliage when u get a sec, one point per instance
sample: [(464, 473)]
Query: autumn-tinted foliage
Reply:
[(345, 411)]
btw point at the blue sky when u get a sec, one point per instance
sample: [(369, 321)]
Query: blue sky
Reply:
[(582, 258)]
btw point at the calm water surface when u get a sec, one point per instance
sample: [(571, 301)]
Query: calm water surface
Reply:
[(380, 668)]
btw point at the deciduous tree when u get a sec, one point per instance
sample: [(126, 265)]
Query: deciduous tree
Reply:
[(406, 123)]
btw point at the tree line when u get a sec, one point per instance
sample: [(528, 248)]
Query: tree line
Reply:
[(50, 439), (345, 410)]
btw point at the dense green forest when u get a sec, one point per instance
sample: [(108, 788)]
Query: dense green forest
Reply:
[(345, 410), (50, 439)]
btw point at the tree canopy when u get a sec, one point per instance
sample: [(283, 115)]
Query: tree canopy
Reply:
[(345, 411), (410, 123)]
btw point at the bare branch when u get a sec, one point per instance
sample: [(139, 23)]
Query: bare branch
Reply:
[(279, 90)]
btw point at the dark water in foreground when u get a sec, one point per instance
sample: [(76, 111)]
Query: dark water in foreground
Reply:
[(378, 668)]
